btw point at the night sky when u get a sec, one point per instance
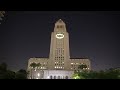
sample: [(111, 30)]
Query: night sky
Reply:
[(93, 35)]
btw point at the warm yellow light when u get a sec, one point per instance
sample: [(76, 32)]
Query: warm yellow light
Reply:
[(59, 36), (38, 74), (48, 77)]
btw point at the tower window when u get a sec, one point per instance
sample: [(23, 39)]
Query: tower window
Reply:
[(54, 77), (61, 26), (57, 26), (58, 77), (66, 77), (50, 77)]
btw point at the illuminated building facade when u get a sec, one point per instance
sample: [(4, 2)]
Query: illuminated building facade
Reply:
[(59, 65)]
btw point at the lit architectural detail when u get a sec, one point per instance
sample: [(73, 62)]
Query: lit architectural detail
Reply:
[(59, 36), (48, 77), (59, 65), (38, 74)]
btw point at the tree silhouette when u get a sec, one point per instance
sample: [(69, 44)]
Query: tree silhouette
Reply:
[(21, 74)]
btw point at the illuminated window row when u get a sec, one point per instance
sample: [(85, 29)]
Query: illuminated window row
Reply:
[(83, 68), (42, 67), (86, 68), (43, 63), (59, 67), (74, 63), (40, 62), (57, 77), (58, 62)]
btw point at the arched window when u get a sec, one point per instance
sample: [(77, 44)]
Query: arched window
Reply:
[(61, 26), (57, 26), (54, 77), (66, 77), (50, 77), (58, 77)]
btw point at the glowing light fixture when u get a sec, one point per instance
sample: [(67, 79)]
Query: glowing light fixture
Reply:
[(59, 36), (38, 74), (48, 77)]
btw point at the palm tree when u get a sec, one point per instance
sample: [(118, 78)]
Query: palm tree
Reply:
[(38, 65), (34, 66)]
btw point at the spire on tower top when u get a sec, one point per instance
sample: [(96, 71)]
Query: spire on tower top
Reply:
[(60, 21), (60, 26)]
